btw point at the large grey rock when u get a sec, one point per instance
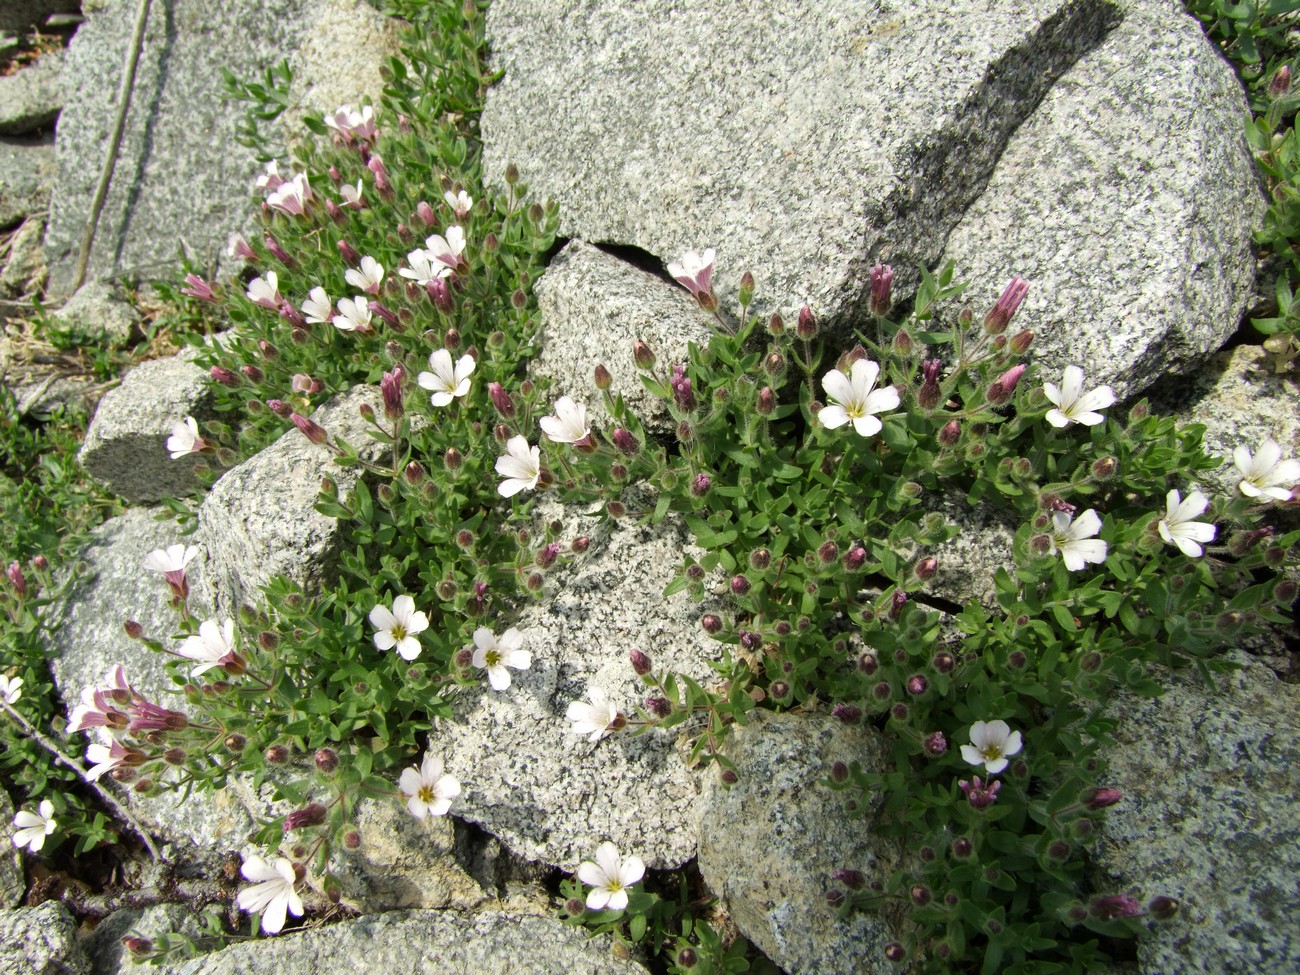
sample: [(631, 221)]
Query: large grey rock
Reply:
[(593, 306), (26, 175), (803, 141), (12, 883), (110, 588), (1242, 402), (181, 176), (126, 445), (260, 519), (1128, 203), (769, 843), (40, 941), (104, 945), (22, 14), (552, 795), (422, 943), (30, 98), (1211, 817)]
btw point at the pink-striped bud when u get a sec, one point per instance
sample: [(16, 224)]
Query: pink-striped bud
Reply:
[(310, 429), (997, 320)]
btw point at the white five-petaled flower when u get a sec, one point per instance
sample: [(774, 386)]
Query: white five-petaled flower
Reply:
[(11, 688), (359, 124), (213, 646), (1072, 405), (1074, 539), (104, 755), (34, 827), (423, 268), (520, 465), (694, 271), (459, 202), (853, 398), (428, 792), (568, 424), (496, 654), (265, 291), (291, 196), (318, 308), (609, 876), (399, 627), (171, 561), (446, 250), (368, 277), (596, 719), (990, 744), (185, 438), (272, 893), (270, 178), (446, 381), (1266, 473), (1177, 527), (354, 313)]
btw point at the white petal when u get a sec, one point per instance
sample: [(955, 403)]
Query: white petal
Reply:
[(832, 417)]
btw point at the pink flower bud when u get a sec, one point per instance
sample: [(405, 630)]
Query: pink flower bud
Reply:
[(348, 253), (424, 213), (1111, 906), (224, 376), (252, 373), (198, 288), (882, 277), (625, 442), (936, 744), (279, 407), (997, 320), (17, 579), (640, 663), (807, 327), (643, 355), (505, 406), (1102, 797), (278, 252), (312, 430), (1280, 82), (390, 387)]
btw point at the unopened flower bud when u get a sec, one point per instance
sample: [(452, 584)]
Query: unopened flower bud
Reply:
[(1101, 798), (882, 278), (903, 343), (780, 690), (1103, 469), (686, 958), (806, 329), (766, 401), (1162, 908), (828, 552), (935, 744), (950, 433), (847, 713), (136, 945), (882, 691), (602, 377), (996, 321), (1016, 660), (926, 568), (739, 585), (235, 743), (700, 485), (640, 663), (917, 684), (252, 373), (327, 760), (312, 815), (776, 325), (277, 754), (712, 624), (616, 509), (895, 952), (224, 376), (1280, 82), (310, 429), (348, 253)]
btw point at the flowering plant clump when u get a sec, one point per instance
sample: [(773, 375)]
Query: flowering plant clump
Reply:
[(812, 467)]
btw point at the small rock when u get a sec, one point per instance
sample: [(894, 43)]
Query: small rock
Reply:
[(100, 313), (126, 445), (24, 271), (19, 15), (41, 941), (30, 98), (26, 175)]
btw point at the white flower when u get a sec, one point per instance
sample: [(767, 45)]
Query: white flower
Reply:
[(423, 268), (596, 719), (265, 291), (446, 250), (610, 876), (446, 381), (185, 438), (292, 196), (213, 646), (428, 792), (172, 559), (1177, 526), (34, 827), (399, 627), (520, 465), (270, 178), (318, 308), (1072, 404), (991, 743), (352, 195), (354, 313), (496, 655), (11, 688), (459, 202), (104, 755), (854, 399), (272, 892), (1074, 540), (368, 277), (1266, 473), (695, 271), (353, 125), (569, 424)]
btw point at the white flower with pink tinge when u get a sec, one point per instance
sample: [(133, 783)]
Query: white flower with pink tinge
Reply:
[(185, 439), (609, 877), (368, 277), (569, 422), (695, 271), (597, 719), (520, 465)]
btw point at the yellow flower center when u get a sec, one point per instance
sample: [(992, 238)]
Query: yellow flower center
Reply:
[(991, 751), (425, 794), (399, 632), (493, 658)]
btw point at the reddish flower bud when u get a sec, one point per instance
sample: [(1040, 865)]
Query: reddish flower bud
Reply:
[(277, 754), (739, 585), (766, 401), (505, 406), (711, 623), (224, 376), (807, 326), (312, 430), (640, 663), (1162, 908), (847, 713), (17, 579), (1280, 82), (1111, 906), (1020, 342), (390, 386), (642, 355), (348, 253), (312, 815), (882, 278), (1100, 798), (935, 744), (602, 377), (327, 760), (700, 485)]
